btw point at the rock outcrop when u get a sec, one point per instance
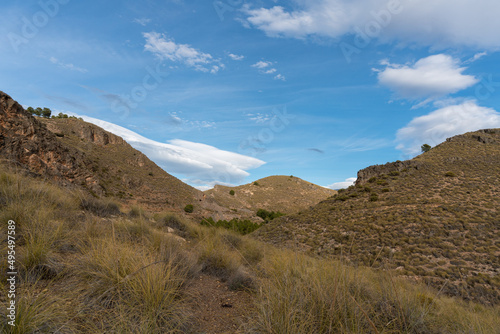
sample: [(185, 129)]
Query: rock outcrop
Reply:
[(373, 171), (86, 131), (27, 141)]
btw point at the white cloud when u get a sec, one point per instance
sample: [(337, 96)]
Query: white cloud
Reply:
[(236, 57), (259, 118), (443, 123), (442, 23), (70, 67), (166, 49), (477, 56), (143, 21), (265, 68), (429, 78), (262, 64), (343, 185), (280, 77), (196, 161), (188, 125)]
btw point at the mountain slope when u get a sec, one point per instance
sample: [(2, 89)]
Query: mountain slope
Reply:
[(123, 171), (435, 217), (77, 153), (287, 194)]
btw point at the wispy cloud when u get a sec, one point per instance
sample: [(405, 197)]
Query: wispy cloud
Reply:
[(67, 66), (429, 78), (355, 144), (174, 118), (259, 118), (142, 21), (443, 123), (463, 23), (166, 49), (262, 64), (266, 67), (196, 161), (280, 77), (236, 57)]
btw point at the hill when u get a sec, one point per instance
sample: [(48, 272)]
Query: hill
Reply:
[(434, 218), (80, 154), (287, 194), (81, 269)]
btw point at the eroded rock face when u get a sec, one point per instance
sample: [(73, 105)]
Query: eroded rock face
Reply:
[(89, 133), (373, 171), (25, 140)]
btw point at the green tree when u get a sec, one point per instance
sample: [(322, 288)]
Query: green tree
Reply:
[(46, 112), (31, 110), (426, 148), (189, 208), (38, 111), (231, 192), (268, 215)]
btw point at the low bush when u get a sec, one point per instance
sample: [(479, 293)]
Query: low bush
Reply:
[(99, 207), (268, 215)]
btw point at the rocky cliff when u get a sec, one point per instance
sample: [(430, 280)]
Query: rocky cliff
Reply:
[(27, 141)]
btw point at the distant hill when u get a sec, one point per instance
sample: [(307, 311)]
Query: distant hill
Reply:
[(81, 154), (287, 194), (434, 218)]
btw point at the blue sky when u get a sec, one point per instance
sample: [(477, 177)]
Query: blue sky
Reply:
[(231, 91)]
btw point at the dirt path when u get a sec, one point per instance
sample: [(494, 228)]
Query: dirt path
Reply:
[(216, 308)]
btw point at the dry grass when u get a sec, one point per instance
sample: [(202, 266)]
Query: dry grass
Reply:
[(443, 230), (299, 294), (84, 273)]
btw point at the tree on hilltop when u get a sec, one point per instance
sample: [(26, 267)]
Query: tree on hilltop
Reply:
[(426, 148)]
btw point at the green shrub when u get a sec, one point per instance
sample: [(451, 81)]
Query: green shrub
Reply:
[(189, 208), (373, 197), (342, 198), (231, 192), (268, 215), (449, 174)]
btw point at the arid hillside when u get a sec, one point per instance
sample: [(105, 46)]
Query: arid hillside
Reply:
[(80, 154), (287, 194), (434, 218)]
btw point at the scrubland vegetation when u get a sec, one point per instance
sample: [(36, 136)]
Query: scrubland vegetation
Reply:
[(85, 266), (435, 220)]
